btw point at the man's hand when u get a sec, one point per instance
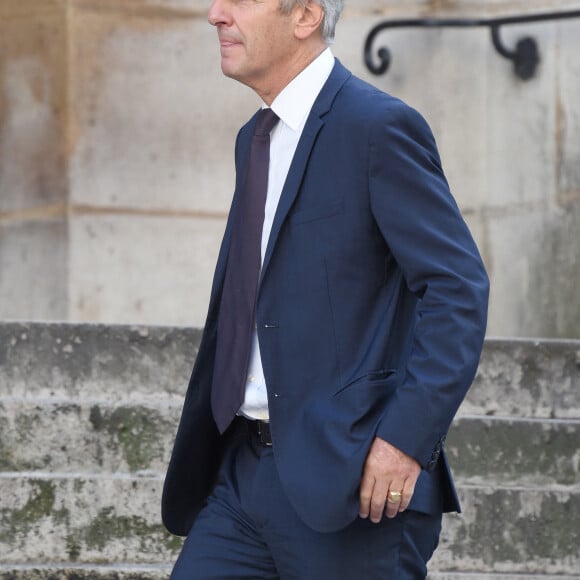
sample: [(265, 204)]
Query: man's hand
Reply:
[(387, 470)]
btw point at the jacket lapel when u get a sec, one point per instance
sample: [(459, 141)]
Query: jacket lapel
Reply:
[(315, 122)]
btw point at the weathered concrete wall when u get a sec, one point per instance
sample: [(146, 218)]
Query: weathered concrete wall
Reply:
[(33, 160), (88, 415), (116, 149)]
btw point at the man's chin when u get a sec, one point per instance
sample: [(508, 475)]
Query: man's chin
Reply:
[(231, 71)]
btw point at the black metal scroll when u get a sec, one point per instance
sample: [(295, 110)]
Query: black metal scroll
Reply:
[(525, 56)]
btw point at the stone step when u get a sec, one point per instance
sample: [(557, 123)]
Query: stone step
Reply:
[(527, 378), (512, 531), (69, 437), (88, 415), (499, 576), (68, 572), (110, 520), (93, 436), (515, 452), (102, 362), (96, 520), (520, 378)]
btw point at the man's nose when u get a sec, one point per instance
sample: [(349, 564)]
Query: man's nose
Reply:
[(217, 13)]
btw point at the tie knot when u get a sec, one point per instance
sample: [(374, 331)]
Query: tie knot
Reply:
[(266, 121)]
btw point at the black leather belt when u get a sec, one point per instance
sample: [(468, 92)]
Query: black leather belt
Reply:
[(259, 430)]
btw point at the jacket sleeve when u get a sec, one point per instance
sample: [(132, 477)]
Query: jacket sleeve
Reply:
[(422, 226)]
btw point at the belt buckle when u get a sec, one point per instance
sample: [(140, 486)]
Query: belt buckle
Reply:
[(263, 429)]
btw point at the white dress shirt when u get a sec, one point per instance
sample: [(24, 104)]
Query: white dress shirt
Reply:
[(293, 106)]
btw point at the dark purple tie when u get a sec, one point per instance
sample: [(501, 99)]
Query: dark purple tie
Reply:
[(238, 302)]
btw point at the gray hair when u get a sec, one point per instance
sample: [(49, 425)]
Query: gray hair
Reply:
[(331, 8)]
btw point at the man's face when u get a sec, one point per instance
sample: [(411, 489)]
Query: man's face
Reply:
[(257, 41)]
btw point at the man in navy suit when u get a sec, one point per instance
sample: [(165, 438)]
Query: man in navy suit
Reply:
[(370, 314)]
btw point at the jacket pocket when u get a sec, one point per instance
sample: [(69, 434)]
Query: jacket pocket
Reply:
[(311, 214), (383, 378)]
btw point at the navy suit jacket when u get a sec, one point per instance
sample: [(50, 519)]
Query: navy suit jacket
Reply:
[(371, 314)]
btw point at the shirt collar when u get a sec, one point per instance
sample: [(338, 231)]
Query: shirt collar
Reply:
[(293, 104)]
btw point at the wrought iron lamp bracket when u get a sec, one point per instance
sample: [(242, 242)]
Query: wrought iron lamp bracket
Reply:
[(525, 56)]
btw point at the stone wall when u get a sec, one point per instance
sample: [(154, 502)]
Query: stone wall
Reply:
[(116, 147), (87, 419)]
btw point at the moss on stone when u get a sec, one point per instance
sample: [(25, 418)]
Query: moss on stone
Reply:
[(515, 526), (40, 504), (25, 424), (107, 526), (134, 430), (528, 451), (73, 547)]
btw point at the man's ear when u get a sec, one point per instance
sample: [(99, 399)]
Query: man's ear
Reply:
[(309, 20)]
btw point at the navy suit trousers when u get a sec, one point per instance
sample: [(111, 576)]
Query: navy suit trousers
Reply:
[(249, 529)]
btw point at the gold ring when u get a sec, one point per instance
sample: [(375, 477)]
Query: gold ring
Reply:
[(394, 496)]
